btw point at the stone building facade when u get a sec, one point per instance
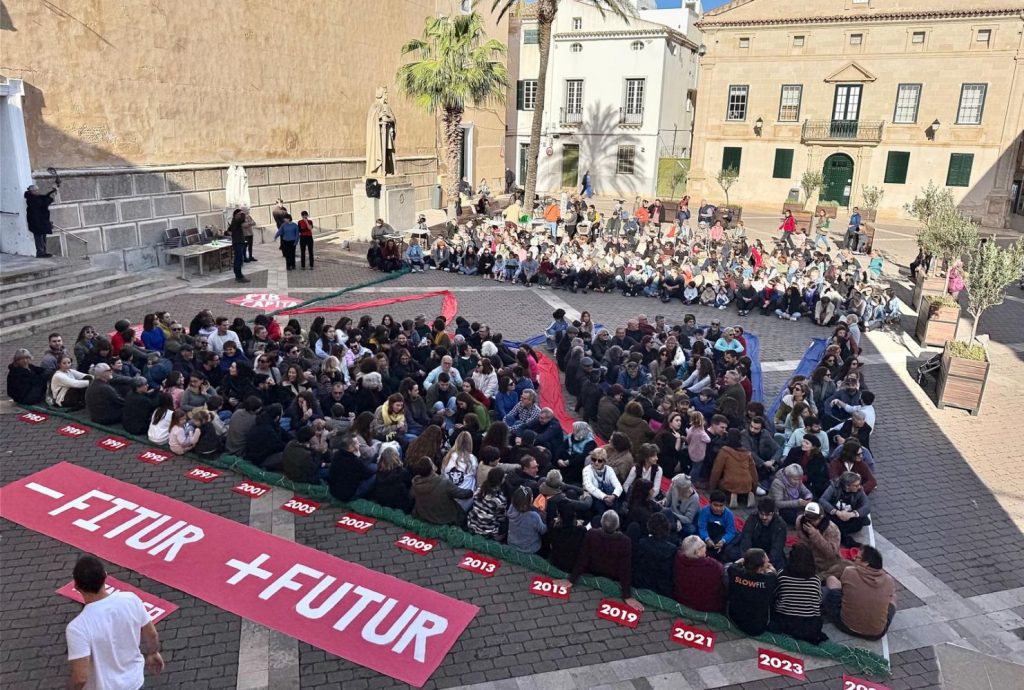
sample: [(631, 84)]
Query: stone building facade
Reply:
[(873, 93), (142, 112)]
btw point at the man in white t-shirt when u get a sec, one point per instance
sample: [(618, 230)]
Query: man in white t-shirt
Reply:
[(223, 334), (104, 639)]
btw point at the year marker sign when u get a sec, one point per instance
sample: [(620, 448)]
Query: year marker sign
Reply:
[(546, 587), (415, 543), (251, 489), (782, 664), (618, 612), (300, 506), (153, 457), (112, 443), (356, 523), (852, 683), (33, 417), (72, 430), (482, 565), (202, 474), (689, 636)]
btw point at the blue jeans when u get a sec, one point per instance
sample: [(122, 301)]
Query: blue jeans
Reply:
[(366, 486), (239, 256), (449, 422)]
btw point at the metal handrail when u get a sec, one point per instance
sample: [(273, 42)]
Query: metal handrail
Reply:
[(64, 234), (631, 118), (843, 130), (570, 116)]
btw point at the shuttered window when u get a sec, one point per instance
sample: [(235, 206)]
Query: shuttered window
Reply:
[(783, 168), (731, 156), (896, 165), (959, 174)]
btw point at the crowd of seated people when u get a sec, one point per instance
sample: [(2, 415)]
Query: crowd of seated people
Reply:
[(444, 421)]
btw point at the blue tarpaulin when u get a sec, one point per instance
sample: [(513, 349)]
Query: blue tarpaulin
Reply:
[(804, 368)]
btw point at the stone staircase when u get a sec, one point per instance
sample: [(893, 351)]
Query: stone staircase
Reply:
[(38, 295)]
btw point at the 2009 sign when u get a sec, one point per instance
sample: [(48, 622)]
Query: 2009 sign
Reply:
[(782, 664), (546, 587), (300, 506), (251, 489), (416, 544), (475, 563), (355, 523), (689, 636), (852, 683), (618, 612), (202, 474)]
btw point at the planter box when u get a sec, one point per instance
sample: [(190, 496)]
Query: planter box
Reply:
[(795, 208), (868, 215), (936, 324), (735, 213), (830, 211), (926, 286), (961, 383), (804, 221), (869, 231)]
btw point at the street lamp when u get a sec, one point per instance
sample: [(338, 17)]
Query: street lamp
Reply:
[(933, 128), (758, 126)]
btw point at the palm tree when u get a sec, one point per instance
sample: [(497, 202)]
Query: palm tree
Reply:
[(454, 66), (546, 11)]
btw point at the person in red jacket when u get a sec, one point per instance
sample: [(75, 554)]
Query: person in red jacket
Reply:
[(607, 552), (697, 577), (788, 227)]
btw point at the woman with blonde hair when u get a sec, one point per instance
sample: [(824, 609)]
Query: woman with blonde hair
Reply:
[(459, 466)]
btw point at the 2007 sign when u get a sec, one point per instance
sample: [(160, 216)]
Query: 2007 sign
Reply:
[(300, 506), (546, 587), (475, 563), (782, 664), (689, 636), (251, 489), (618, 612), (202, 474), (416, 544), (355, 523), (852, 683)]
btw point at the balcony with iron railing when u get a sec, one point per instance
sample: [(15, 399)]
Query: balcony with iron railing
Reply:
[(628, 118), (865, 132), (570, 117)]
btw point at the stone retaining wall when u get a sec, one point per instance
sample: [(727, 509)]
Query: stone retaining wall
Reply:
[(123, 208)]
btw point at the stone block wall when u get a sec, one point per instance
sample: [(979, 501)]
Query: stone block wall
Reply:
[(124, 208)]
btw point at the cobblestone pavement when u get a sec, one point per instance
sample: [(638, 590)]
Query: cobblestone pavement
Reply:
[(947, 515)]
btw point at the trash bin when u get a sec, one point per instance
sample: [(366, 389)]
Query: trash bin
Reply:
[(794, 195), (435, 197)]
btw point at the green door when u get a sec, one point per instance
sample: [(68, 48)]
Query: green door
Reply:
[(570, 165), (838, 174)]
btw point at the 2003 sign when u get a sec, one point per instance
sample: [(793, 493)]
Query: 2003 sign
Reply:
[(300, 506), (782, 664), (618, 613)]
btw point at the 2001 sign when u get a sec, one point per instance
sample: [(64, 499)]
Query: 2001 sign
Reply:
[(251, 490)]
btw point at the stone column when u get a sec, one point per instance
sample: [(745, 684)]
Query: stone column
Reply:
[(15, 172)]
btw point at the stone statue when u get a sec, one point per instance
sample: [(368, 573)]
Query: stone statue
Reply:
[(380, 137)]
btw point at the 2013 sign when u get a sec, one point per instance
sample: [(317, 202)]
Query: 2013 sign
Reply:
[(416, 544), (355, 523), (546, 587), (688, 636), (112, 443), (300, 506), (153, 457), (32, 417), (251, 489), (782, 664), (72, 431), (852, 683), (618, 612), (202, 474), (482, 565)]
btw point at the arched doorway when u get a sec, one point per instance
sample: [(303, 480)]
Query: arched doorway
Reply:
[(838, 174)]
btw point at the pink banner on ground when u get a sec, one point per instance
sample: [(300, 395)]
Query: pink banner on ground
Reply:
[(267, 301), (391, 626), (449, 308), (551, 393), (157, 608)]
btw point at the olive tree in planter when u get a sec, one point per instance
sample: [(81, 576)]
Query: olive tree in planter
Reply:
[(726, 178), (937, 319), (963, 375), (811, 181), (869, 206), (947, 236), (831, 209)]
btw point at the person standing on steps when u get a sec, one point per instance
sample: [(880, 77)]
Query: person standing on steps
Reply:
[(278, 212), (289, 235), (237, 234), (306, 239), (37, 214), (249, 227)]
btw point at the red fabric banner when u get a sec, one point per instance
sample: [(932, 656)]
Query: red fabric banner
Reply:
[(386, 624), (449, 307), (551, 393)]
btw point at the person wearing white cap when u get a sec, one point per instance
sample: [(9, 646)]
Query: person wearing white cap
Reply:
[(815, 530)]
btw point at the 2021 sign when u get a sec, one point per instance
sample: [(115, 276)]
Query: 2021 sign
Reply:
[(782, 664), (689, 636)]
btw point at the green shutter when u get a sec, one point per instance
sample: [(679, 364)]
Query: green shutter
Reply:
[(959, 174), (731, 156), (519, 95), (896, 165), (783, 168)]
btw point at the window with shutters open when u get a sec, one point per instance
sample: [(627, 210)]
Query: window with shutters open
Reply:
[(896, 165), (731, 157), (959, 173), (783, 168), (526, 94)]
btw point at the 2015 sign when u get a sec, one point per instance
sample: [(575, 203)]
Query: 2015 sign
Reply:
[(852, 683), (618, 612), (688, 636), (72, 431), (782, 664), (112, 443), (202, 474), (153, 457), (32, 417), (546, 587), (416, 544), (300, 506), (355, 523), (482, 565), (251, 489)]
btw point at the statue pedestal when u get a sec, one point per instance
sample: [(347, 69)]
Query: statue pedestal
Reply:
[(396, 205)]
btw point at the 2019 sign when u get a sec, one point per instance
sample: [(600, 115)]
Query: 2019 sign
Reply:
[(618, 612)]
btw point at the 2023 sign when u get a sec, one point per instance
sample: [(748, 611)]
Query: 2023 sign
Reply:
[(251, 489), (482, 565), (782, 664), (689, 636), (202, 474), (355, 523), (416, 544), (300, 506), (546, 587), (618, 613)]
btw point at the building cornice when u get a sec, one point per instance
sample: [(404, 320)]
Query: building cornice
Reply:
[(715, 23), (628, 33)]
